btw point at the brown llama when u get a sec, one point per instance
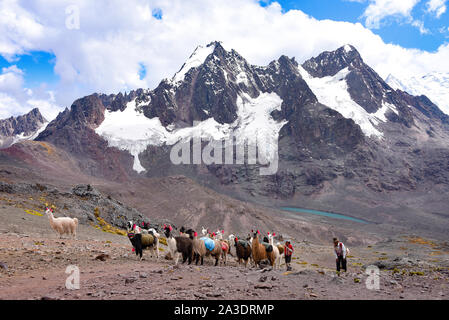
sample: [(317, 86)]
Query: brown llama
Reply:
[(261, 252)]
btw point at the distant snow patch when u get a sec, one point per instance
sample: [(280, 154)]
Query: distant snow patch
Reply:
[(242, 78), (38, 132), (433, 85), (23, 137), (9, 141)]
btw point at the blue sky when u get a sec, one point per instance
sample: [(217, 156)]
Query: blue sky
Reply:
[(123, 45), (393, 30), (38, 66)]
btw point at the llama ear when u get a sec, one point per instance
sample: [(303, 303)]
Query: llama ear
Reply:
[(274, 234), (222, 231), (258, 232), (268, 233), (170, 228)]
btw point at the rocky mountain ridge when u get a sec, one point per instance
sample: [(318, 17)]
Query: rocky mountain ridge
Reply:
[(19, 128), (319, 139)]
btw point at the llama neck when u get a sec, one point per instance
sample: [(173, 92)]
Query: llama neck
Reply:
[(255, 247), (51, 218), (256, 240)]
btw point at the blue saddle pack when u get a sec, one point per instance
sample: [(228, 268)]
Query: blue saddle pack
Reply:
[(209, 243)]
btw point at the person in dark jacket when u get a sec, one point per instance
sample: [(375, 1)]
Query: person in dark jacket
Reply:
[(288, 249)]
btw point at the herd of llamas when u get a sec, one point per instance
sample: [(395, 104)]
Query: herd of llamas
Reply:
[(188, 245)]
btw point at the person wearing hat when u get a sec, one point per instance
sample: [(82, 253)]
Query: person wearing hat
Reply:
[(340, 255), (288, 249)]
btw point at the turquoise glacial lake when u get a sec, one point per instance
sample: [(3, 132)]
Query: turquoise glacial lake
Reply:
[(323, 213)]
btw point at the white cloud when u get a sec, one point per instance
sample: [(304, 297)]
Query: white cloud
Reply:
[(11, 79), (11, 91), (18, 29), (117, 37), (11, 105), (16, 100), (420, 25), (437, 7), (7, 105), (378, 10), (46, 104)]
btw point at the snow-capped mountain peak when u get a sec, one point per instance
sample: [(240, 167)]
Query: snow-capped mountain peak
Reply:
[(24, 127), (394, 82), (328, 106), (195, 60), (330, 63), (433, 85)]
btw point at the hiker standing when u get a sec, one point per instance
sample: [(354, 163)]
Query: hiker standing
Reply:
[(288, 249), (340, 255)]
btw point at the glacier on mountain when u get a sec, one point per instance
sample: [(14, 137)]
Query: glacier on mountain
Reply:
[(332, 91), (132, 131)]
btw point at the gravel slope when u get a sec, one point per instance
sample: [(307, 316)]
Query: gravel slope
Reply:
[(33, 263)]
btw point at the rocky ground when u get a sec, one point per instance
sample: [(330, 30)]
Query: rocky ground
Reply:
[(33, 261)]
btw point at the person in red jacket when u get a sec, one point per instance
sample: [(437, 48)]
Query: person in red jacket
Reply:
[(340, 255), (288, 249)]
